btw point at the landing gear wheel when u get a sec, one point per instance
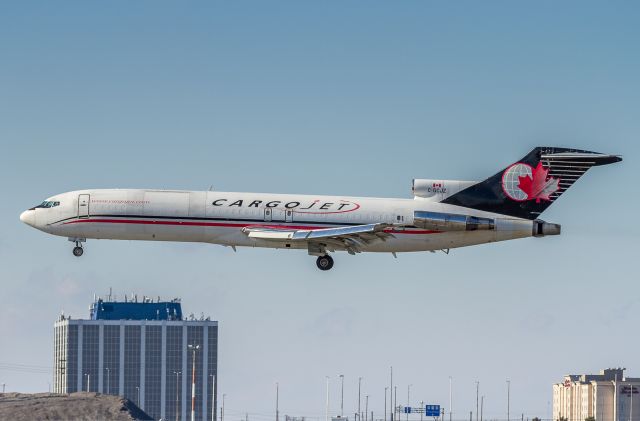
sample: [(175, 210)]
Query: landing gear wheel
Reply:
[(324, 262), (77, 251)]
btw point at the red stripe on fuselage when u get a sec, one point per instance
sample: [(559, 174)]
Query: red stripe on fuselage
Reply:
[(225, 224)]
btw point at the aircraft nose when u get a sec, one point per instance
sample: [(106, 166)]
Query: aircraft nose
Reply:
[(28, 217)]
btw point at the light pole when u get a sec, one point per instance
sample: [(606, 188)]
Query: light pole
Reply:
[(366, 407), (177, 408), (342, 395), (508, 398), (408, 400), (193, 349), (395, 401), (477, 401), (390, 396), (481, 407), (88, 381), (422, 409), (138, 393), (213, 396), (224, 395), (108, 382), (3, 386), (450, 398), (326, 408), (359, 387), (277, 399), (385, 403)]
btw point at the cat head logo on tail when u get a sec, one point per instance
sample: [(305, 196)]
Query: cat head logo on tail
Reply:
[(521, 182)]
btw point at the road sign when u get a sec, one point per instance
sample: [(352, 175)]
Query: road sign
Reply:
[(432, 410)]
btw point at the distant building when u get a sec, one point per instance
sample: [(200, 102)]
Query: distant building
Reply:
[(608, 396), (139, 350)]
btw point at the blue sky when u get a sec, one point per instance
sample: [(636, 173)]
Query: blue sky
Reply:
[(331, 98)]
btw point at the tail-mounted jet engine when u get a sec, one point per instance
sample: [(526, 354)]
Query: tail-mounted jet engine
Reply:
[(439, 221), (451, 222)]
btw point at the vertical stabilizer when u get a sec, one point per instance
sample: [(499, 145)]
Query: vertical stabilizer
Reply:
[(529, 186)]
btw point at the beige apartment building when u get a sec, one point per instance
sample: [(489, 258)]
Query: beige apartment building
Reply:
[(608, 396)]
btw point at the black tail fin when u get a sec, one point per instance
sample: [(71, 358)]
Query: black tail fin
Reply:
[(528, 187)]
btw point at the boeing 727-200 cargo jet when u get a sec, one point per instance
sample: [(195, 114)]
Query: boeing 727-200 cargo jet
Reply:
[(443, 214)]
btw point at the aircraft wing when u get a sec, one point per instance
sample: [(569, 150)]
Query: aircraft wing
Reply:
[(344, 238)]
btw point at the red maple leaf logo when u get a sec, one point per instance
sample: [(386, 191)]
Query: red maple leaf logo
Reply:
[(537, 186)]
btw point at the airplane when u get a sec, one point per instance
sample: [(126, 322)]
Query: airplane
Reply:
[(443, 214)]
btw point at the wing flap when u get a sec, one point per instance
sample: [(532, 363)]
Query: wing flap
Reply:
[(349, 238), (336, 232)]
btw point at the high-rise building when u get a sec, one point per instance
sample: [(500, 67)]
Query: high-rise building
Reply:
[(140, 350), (608, 396)]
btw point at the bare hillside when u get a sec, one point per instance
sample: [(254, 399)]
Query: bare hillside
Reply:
[(76, 406)]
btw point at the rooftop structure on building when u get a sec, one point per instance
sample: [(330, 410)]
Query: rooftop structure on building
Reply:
[(607, 396), (608, 374), (132, 309), (138, 348)]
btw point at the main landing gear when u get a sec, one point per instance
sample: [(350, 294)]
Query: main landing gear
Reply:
[(324, 262), (78, 250)]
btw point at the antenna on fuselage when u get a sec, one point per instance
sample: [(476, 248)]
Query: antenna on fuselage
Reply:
[(211, 187)]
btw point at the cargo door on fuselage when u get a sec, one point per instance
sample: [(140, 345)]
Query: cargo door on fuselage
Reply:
[(197, 204), (83, 205), (164, 204), (197, 211), (163, 211), (278, 215)]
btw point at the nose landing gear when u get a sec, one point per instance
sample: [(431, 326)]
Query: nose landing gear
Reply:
[(78, 250), (324, 262)]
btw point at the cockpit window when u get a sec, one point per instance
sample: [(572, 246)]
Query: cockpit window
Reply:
[(47, 204)]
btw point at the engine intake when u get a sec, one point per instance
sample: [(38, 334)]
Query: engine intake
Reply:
[(451, 221)]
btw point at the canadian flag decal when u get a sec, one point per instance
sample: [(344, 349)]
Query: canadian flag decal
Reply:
[(521, 183), (538, 186)]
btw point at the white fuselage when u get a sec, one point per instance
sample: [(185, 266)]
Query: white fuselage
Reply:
[(219, 218)]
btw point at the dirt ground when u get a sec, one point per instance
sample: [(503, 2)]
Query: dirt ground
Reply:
[(76, 406)]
